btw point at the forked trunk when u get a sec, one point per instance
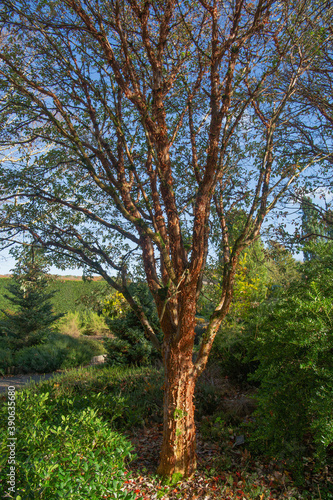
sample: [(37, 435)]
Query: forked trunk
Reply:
[(178, 454)]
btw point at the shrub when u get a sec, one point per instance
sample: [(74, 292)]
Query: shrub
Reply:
[(234, 346), (294, 349), (40, 359), (6, 360), (83, 323), (93, 324), (61, 351), (131, 345), (132, 349), (67, 454)]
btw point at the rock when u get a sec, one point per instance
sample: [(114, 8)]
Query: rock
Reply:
[(96, 360), (239, 440)]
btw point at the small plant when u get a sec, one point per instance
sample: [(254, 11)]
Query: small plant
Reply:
[(70, 324), (93, 324)]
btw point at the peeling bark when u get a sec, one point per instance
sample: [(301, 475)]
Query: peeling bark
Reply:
[(178, 455)]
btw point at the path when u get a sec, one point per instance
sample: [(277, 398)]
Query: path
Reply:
[(19, 381)]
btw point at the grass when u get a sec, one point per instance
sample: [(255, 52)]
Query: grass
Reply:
[(84, 323)]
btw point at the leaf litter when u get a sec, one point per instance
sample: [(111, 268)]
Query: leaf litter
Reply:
[(225, 470)]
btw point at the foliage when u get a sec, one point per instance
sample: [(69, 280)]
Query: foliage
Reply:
[(93, 324), (103, 300), (114, 305), (262, 271), (6, 360), (67, 453), (84, 323), (32, 322), (78, 351), (40, 358), (70, 294), (4, 303), (125, 398), (59, 352), (70, 324), (293, 347), (251, 283), (262, 276), (131, 345), (316, 225), (132, 349), (234, 348), (282, 268)]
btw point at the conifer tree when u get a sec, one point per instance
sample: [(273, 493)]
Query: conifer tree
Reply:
[(31, 321)]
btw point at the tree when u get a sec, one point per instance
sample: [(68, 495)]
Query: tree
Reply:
[(161, 119), (314, 95), (31, 322), (313, 226)]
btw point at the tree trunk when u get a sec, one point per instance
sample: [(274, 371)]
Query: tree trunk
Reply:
[(178, 454)]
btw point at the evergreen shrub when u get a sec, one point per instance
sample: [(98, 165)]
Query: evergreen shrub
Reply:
[(233, 350), (294, 349), (59, 352), (6, 360), (40, 358), (64, 452), (130, 345)]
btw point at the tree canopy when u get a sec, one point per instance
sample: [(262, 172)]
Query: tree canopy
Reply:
[(141, 128)]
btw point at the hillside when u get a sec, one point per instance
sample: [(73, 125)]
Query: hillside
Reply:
[(69, 290)]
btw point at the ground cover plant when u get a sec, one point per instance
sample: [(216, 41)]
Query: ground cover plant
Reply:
[(85, 420), (65, 450)]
